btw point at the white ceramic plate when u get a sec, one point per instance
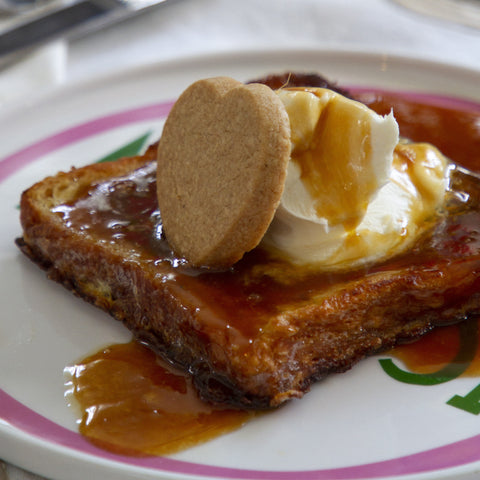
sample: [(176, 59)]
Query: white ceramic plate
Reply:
[(361, 424)]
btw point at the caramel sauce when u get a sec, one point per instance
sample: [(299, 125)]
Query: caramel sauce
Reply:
[(244, 296), (457, 134), (432, 352), (132, 404), (323, 165)]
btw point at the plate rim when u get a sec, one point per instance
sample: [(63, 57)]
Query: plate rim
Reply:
[(100, 80), (123, 72)]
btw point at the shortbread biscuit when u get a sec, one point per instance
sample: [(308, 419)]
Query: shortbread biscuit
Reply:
[(222, 162)]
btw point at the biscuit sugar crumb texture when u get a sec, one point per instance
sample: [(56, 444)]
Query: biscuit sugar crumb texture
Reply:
[(222, 163)]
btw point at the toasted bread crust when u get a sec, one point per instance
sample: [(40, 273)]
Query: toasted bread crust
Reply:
[(318, 332), (303, 342)]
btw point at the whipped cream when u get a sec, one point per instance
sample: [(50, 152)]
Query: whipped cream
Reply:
[(354, 193)]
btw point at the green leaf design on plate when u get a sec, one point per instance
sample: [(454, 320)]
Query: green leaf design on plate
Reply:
[(466, 353), (128, 150), (470, 402)]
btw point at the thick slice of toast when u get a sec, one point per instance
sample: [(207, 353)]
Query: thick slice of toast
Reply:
[(261, 332)]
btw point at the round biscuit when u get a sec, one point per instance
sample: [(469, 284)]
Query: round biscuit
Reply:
[(222, 162)]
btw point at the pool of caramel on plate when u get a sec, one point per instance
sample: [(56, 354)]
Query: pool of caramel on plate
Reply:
[(134, 404)]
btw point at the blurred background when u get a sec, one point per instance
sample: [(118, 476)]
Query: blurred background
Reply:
[(441, 30)]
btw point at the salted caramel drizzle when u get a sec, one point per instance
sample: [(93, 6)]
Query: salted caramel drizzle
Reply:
[(129, 398)]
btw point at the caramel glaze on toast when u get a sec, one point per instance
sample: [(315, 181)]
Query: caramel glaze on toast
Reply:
[(263, 331)]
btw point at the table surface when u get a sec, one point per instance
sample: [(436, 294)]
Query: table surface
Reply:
[(191, 27)]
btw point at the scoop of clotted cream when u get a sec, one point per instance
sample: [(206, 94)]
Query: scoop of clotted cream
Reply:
[(353, 193)]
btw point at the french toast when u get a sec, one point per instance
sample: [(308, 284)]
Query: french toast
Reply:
[(262, 331)]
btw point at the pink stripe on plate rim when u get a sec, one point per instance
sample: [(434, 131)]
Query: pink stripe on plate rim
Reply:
[(29, 154)]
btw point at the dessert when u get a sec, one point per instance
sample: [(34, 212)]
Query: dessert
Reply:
[(260, 332), (329, 171)]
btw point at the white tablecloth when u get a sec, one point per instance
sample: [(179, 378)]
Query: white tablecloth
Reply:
[(190, 27)]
